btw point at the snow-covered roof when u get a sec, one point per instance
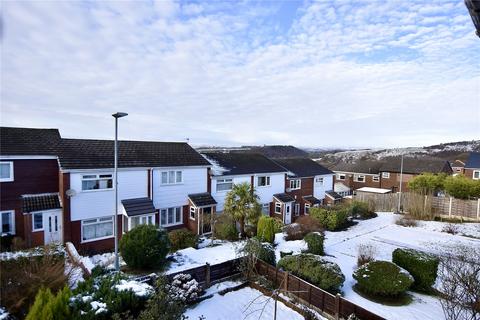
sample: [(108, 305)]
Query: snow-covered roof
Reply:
[(374, 190), (340, 187)]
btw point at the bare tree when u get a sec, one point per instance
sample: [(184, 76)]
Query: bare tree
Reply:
[(459, 274)]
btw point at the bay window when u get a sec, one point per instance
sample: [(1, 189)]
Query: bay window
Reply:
[(145, 219), (171, 216)]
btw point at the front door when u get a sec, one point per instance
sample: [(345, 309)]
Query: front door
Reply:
[(288, 213), (206, 220), (52, 221)]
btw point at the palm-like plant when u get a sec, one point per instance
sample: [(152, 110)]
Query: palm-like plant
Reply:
[(242, 205)]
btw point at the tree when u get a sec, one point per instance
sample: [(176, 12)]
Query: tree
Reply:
[(461, 187), (242, 205), (427, 183), (49, 306)]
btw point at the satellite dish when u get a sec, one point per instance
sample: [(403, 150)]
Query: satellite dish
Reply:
[(70, 192)]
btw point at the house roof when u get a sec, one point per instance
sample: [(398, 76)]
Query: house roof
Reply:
[(303, 167), (457, 163), (373, 190), (202, 199), (28, 141), (138, 206), (311, 199), (417, 165), (369, 167), (236, 163), (92, 154), (473, 161), (279, 151), (333, 195), (284, 197), (40, 202)]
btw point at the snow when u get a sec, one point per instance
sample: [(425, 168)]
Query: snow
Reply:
[(3, 314), (373, 190), (106, 260), (237, 305), (99, 306), (139, 289), (221, 286)]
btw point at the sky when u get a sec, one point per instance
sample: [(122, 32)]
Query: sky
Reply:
[(312, 74)]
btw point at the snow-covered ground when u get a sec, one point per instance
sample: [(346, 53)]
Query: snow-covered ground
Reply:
[(246, 303)]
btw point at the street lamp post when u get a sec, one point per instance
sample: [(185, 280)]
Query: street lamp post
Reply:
[(115, 224), (400, 187)]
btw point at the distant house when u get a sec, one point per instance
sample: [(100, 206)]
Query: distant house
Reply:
[(472, 166), (357, 175), (306, 184), (390, 171), (458, 166)]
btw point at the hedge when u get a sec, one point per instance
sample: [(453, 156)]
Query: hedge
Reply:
[(332, 218), (422, 266), (181, 239), (266, 229), (314, 242)]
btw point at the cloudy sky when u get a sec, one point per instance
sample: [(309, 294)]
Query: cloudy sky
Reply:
[(317, 74)]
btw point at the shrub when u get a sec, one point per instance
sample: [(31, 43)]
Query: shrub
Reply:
[(181, 239), (422, 266), (366, 253), (266, 229), (406, 221), (360, 210), (225, 228), (163, 305), (314, 269), (50, 307), (314, 242), (184, 288), (451, 228), (382, 278), (285, 253), (332, 219), (145, 247), (302, 226), (277, 225)]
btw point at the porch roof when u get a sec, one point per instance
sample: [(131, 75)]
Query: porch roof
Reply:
[(284, 197), (312, 200), (204, 199), (138, 206), (40, 202), (333, 195)]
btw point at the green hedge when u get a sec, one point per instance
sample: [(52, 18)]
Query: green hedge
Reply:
[(382, 278), (360, 210), (145, 247), (277, 225), (314, 242), (225, 228), (332, 219), (422, 266), (266, 229), (314, 269), (181, 239)]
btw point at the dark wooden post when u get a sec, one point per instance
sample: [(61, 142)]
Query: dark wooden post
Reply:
[(275, 280), (207, 275), (286, 281), (337, 306), (309, 294)]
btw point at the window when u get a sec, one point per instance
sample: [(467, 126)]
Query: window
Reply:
[(263, 181), (97, 182), (359, 178), (295, 184), (476, 174), (307, 208), (171, 216), (37, 221), (319, 180), (6, 171), (96, 229), (7, 218), (341, 176), (192, 213), (171, 177), (147, 219), (297, 209), (266, 208), (386, 175), (278, 207), (375, 178), (224, 184)]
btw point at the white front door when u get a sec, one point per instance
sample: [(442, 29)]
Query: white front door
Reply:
[(288, 213), (52, 221)]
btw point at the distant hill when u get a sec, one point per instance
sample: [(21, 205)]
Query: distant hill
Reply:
[(274, 151)]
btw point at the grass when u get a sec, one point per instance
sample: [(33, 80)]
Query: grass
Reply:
[(397, 301)]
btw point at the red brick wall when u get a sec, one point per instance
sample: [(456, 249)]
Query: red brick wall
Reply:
[(352, 184), (306, 189), (393, 182), (469, 173), (93, 247)]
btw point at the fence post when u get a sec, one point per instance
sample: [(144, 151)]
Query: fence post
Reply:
[(337, 306), (478, 209), (285, 280), (450, 207), (207, 275), (275, 279), (309, 294)]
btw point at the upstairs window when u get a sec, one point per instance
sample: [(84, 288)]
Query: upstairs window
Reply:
[(359, 178), (375, 178), (386, 175), (97, 182), (295, 184), (224, 184), (341, 176), (263, 181), (319, 180), (7, 220), (6, 171), (171, 177)]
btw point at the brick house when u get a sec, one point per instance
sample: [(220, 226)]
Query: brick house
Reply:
[(472, 166), (358, 175), (458, 166)]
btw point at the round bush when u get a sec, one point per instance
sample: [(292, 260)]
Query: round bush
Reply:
[(422, 266), (181, 239), (266, 229), (382, 278), (145, 247), (360, 210), (314, 242), (314, 269)]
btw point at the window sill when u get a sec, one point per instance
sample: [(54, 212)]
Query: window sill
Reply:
[(98, 190), (171, 225), (6, 180), (97, 239), (7, 234), (170, 184), (38, 230)]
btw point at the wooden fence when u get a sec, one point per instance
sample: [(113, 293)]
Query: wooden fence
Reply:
[(420, 205), (308, 294)]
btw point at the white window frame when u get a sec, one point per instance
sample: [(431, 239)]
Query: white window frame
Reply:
[(33, 221), (319, 180), (357, 176), (95, 178), (9, 179), (376, 178), (385, 175), (266, 206), (295, 184), (222, 182), (192, 210), (171, 173), (99, 220), (278, 205), (306, 208), (144, 217), (12, 222), (267, 181), (473, 175), (175, 223), (341, 176)]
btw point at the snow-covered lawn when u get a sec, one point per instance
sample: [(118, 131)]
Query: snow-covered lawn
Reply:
[(237, 305)]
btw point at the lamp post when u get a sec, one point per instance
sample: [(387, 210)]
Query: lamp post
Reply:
[(115, 224), (400, 187)]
